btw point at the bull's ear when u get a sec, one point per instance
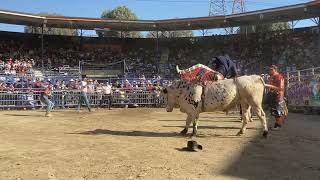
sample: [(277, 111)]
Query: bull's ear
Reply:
[(165, 91)]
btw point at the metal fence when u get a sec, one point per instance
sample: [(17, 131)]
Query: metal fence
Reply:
[(303, 89), (70, 99)]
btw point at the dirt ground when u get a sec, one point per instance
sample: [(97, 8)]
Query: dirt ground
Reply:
[(145, 144)]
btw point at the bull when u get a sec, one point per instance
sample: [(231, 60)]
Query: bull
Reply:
[(222, 95)]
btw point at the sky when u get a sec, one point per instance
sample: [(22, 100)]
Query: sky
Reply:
[(144, 9)]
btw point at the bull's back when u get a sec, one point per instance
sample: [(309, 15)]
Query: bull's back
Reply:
[(251, 87), (220, 95)]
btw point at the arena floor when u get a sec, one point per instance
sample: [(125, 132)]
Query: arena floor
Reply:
[(145, 144)]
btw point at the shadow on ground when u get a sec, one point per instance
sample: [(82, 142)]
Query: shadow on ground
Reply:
[(128, 133), (286, 154), (215, 127), (22, 115), (202, 120), (153, 134)]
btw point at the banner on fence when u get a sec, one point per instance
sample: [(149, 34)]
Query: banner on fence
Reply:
[(304, 93)]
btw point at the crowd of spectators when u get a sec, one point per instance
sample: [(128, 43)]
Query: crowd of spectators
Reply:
[(290, 50), (139, 84), (253, 53), (21, 55), (20, 67), (25, 51)]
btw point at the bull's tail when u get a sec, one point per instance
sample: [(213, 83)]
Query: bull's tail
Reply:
[(261, 79), (178, 70)]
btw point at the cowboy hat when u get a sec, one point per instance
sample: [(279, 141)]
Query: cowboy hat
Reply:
[(192, 146)]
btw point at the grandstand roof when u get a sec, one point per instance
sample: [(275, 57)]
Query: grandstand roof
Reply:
[(279, 14)]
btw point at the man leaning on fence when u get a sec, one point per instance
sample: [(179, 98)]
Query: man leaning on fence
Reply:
[(44, 98), (107, 94), (83, 95)]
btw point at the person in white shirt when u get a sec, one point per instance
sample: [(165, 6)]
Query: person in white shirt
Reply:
[(13, 71), (7, 71), (83, 96), (107, 94), (99, 92), (90, 87)]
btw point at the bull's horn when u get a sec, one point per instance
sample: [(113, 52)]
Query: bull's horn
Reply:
[(178, 70)]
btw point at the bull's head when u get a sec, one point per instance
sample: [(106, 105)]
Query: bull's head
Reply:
[(170, 98)]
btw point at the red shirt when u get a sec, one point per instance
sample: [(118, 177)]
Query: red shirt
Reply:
[(47, 91), (278, 81), (38, 84)]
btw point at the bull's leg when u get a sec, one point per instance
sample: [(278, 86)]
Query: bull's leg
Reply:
[(245, 117), (250, 115), (262, 116), (188, 122), (195, 125)]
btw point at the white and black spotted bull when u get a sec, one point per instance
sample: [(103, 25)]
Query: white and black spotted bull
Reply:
[(221, 95)]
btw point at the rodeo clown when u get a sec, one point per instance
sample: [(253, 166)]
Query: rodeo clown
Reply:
[(44, 98), (223, 65), (276, 97)]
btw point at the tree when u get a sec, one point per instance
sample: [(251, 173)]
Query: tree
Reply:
[(49, 30), (272, 27), (119, 13), (170, 34), (264, 27)]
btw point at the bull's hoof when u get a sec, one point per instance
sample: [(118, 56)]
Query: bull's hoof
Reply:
[(240, 133), (184, 131), (265, 134), (194, 133)]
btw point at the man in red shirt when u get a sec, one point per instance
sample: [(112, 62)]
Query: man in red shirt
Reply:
[(44, 98), (276, 95)]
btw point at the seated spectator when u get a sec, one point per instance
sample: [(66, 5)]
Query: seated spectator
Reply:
[(10, 87), (2, 87), (13, 71), (7, 71)]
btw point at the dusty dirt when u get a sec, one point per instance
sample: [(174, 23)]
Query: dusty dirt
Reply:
[(145, 144)]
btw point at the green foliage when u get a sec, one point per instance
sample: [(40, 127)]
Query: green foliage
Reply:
[(49, 30), (170, 34), (119, 13), (264, 27)]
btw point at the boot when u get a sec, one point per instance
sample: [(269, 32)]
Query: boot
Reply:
[(48, 114)]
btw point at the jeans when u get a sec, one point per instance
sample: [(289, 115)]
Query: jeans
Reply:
[(107, 97), (83, 99), (45, 100), (277, 105)]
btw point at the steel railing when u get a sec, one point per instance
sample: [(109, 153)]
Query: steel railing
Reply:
[(70, 98)]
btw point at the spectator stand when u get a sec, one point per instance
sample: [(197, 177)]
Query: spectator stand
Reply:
[(102, 70), (303, 90)]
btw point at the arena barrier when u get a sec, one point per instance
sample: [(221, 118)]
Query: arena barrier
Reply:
[(70, 99), (303, 89)]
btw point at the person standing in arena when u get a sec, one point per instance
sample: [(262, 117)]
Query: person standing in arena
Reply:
[(83, 95), (99, 95), (107, 94), (276, 97), (44, 98)]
